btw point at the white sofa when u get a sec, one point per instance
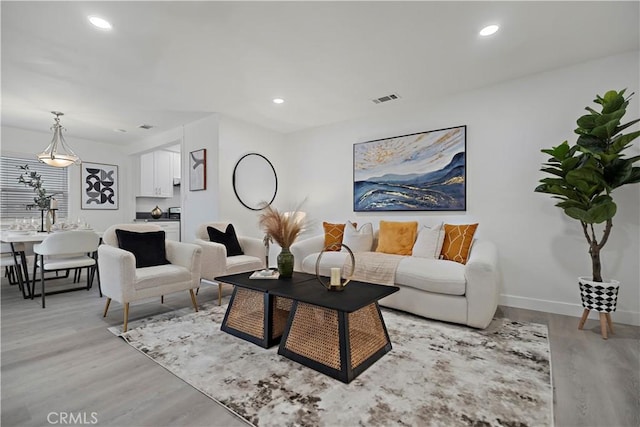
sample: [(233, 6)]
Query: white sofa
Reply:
[(432, 288)]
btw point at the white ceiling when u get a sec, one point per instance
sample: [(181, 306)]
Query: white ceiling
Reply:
[(170, 63)]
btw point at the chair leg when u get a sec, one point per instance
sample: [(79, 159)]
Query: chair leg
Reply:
[(161, 299), (197, 290), (42, 278), (96, 271), (89, 281), (33, 277), (126, 316), (193, 300), (106, 307), (219, 293)]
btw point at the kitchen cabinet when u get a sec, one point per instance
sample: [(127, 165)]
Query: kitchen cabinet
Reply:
[(156, 176)]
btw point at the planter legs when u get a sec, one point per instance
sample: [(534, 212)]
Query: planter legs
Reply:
[(606, 324)]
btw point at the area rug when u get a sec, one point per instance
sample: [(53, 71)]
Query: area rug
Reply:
[(437, 374)]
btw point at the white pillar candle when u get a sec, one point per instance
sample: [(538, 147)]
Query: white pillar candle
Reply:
[(335, 277), (53, 204)]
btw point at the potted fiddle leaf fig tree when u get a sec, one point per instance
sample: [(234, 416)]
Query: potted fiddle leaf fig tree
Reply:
[(583, 178)]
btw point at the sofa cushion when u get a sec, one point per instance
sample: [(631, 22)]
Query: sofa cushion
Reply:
[(159, 275), (148, 248), (397, 237), (457, 242), (358, 240), (429, 242), (228, 238), (242, 263), (332, 236), (432, 275), (329, 260)]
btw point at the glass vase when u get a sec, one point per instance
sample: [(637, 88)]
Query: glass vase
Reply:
[(285, 263)]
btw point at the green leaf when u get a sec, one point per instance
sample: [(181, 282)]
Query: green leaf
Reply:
[(626, 125), (586, 174), (612, 101), (621, 142), (601, 212), (617, 172), (572, 204), (591, 143), (570, 163), (634, 176), (577, 213), (560, 152), (553, 171), (586, 122)]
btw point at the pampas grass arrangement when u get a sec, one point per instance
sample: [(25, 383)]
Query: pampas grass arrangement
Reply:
[(283, 227)]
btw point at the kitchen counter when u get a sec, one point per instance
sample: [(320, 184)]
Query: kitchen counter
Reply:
[(157, 220)]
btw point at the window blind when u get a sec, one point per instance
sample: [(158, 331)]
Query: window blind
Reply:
[(14, 196)]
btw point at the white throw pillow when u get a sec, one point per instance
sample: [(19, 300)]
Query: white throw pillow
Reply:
[(360, 240), (429, 242)]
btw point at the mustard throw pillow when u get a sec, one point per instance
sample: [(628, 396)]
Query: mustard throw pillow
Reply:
[(333, 234), (397, 237), (457, 242)]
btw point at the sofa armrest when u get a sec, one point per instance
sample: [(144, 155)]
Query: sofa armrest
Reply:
[(117, 269), (482, 276), (186, 255), (214, 259), (253, 247), (302, 248)]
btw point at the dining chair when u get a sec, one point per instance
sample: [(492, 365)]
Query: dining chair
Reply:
[(7, 262), (66, 250)]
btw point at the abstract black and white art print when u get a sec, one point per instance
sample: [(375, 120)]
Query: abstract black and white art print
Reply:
[(99, 186), (418, 172)]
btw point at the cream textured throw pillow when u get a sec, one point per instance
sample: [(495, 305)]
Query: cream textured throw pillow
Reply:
[(358, 240), (429, 242)]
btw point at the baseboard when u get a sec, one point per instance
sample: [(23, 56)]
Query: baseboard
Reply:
[(567, 309)]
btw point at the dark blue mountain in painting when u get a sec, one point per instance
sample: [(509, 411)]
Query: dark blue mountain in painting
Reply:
[(443, 189)]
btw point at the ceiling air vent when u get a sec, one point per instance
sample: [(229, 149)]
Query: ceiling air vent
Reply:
[(386, 98), (143, 126)]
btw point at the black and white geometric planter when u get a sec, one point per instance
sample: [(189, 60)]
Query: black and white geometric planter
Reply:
[(599, 296)]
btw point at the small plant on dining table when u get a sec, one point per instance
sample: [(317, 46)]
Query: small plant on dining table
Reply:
[(34, 180)]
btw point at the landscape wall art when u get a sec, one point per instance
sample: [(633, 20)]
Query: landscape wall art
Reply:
[(418, 172)]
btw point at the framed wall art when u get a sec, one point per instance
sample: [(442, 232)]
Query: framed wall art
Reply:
[(99, 186), (419, 172), (198, 170)]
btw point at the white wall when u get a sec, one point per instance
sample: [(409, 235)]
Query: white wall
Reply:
[(238, 138), (25, 143), (541, 251), (200, 206)]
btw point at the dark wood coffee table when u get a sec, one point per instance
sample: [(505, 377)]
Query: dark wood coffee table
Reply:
[(339, 334), (254, 313)]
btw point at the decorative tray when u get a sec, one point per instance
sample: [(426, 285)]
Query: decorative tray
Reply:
[(265, 274)]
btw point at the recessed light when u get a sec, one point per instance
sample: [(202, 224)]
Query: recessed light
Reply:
[(278, 100), (101, 23), (488, 30)]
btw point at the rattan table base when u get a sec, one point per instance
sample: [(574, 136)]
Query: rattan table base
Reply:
[(256, 316), (336, 343)]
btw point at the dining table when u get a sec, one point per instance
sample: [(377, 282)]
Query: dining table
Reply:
[(19, 241)]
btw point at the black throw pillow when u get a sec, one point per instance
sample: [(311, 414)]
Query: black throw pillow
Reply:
[(148, 248), (228, 239)]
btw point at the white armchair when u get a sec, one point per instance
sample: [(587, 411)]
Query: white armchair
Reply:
[(215, 261), (123, 282)]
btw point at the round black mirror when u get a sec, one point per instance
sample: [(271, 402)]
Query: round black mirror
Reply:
[(255, 181)]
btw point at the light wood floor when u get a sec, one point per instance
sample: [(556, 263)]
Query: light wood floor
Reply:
[(63, 359)]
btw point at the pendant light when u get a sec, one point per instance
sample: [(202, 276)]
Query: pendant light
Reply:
[(58, 153)]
